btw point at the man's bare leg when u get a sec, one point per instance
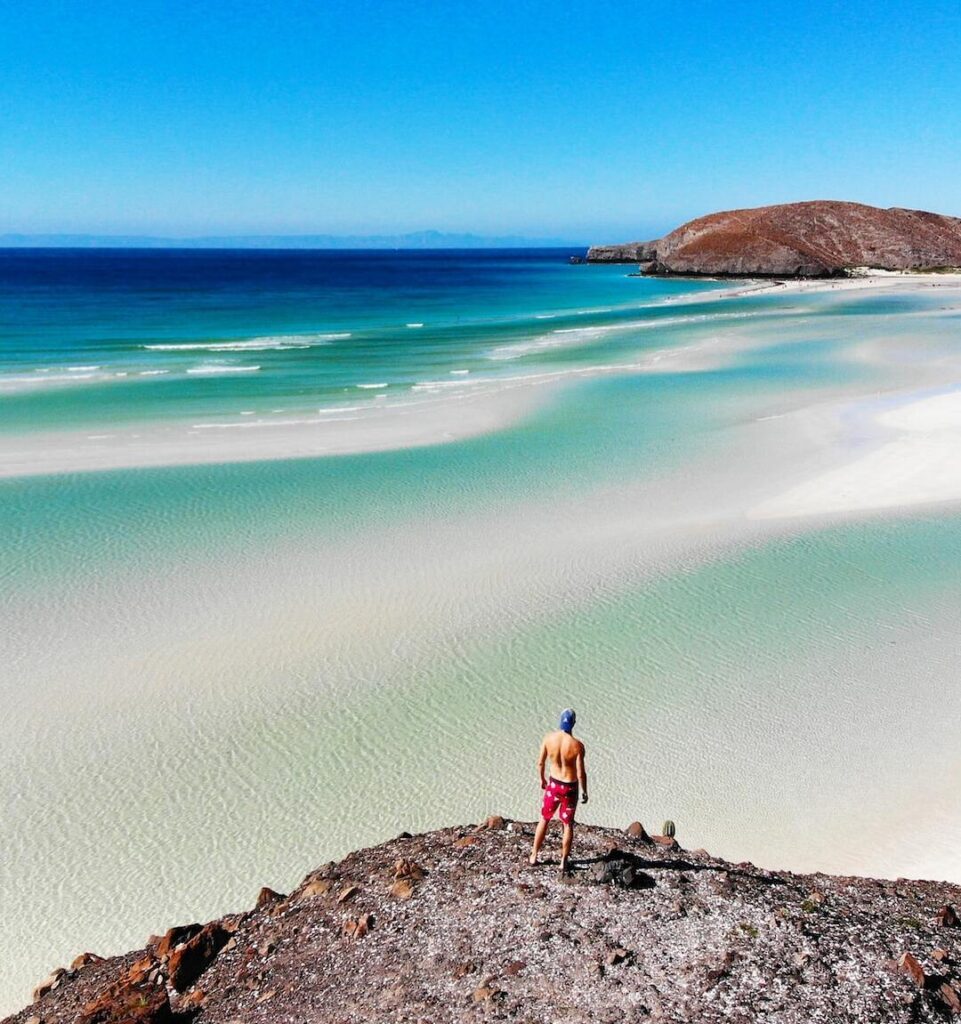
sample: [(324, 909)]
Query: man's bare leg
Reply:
[(566, 847), (539, 834)]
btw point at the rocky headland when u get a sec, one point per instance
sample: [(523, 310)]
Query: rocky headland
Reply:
[(455, 926), (823, 238)]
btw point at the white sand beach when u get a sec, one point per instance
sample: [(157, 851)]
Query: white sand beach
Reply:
[(916, 462)]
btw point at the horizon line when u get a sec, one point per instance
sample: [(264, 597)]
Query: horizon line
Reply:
[(423, 239)]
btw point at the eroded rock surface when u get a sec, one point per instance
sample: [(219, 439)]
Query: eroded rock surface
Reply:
[(455, 926), (814, 239)]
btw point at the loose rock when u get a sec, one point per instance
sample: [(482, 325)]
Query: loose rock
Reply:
[(947, 917), (908, 964), (49, 983), (173, 938), (189, 961), (401, 889), (348, 893), (84, 960), (267, 896)]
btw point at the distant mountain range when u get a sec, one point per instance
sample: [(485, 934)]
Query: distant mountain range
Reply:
[(412, 240)]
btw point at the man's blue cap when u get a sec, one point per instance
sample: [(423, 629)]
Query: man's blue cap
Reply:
[(568, 718)]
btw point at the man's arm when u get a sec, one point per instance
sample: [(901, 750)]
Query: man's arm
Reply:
[(582, 774), (541, 762)]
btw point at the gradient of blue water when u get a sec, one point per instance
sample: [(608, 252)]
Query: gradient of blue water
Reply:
[(143, 686), (80, 329)]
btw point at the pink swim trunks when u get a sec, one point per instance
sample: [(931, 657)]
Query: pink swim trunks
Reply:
[(561, 795)]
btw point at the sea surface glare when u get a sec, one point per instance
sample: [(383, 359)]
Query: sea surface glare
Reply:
[(302, 549)]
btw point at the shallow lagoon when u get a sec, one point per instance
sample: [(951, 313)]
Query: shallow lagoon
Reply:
[(208, 669)]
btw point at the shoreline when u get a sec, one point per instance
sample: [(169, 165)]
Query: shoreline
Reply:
[(450, 411), (375, 428), (908, 443)]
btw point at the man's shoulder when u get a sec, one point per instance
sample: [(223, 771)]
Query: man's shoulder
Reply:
[(578, 745)]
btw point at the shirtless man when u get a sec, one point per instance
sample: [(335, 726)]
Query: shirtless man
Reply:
[(560, 791)]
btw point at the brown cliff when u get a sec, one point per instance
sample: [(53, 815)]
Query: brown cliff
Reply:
[(454, 926), (823, 238)]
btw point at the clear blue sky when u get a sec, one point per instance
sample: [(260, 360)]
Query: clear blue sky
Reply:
[(587, 120)]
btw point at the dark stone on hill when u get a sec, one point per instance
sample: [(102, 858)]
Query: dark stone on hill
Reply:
[(267, 896), (137, 997), (84, 960), (50, 983), (173, 938), (619, 868), (637, 831), (950, 998), (909, 965), (947, 917), (189, 961)]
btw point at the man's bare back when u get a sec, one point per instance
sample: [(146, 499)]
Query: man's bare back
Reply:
[(563, 751), (568, 780)]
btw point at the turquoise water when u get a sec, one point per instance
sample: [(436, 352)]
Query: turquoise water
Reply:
[(219, 676), (102, 338)]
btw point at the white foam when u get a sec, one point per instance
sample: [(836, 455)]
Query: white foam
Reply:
[(47, 378), (565, 337), (439, 385), (572, 337), (414, 325), (459, 373), (599, 329), (276, 342), (370, 387), (331, 415), (214, 370)]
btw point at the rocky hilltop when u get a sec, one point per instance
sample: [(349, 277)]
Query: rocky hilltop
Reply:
[(815, 239), (455, 926)]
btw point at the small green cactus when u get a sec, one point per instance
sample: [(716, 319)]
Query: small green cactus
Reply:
[(667, 829)]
